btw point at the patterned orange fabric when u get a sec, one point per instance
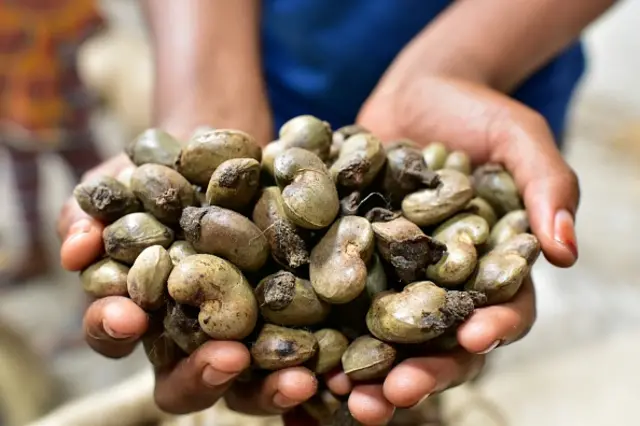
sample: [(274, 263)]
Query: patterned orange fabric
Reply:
[(40, 92)]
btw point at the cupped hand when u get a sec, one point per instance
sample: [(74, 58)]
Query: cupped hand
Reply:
[(114, 326), (492, 128)]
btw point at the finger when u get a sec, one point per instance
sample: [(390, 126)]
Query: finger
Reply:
[(413, 380), (500, 325), (550, 188), (369, 406), (493, 127), (338, 382), (113, 326), (82, 238), (276, 394), (197, 382)]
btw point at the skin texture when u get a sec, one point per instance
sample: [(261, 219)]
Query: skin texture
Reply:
[(450, 98)]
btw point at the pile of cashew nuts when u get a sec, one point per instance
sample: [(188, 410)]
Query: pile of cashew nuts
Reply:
[(324, 249)]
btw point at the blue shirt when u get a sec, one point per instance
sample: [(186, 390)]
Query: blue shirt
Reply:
[(324, 57)]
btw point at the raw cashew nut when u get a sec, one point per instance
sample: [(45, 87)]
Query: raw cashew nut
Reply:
[(105, 278), (179, 250), (361, 158), (368, 358), (306, 132), (331, 346), (105, 198), (287, 243), (421, 312), (222, 232), (435, 155), (228, 308), (430, 206), (481, 207), (403, 245), (341, 135), (493, 183), (458, 160), (163, 192), (125, 238), (405, 172), (310, 198), (206, 151), (513, 223), (279, 347), (287, 300), (461, 234), (338, 265), (350, 318), (500, 272), (154, 146), (147, 278), (234, 183)]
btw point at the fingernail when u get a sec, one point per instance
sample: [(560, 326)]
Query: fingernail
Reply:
[(113, 334), (279, 400), (493, 346), (564, 231), (423, 399), (213, 377), (80, 227)]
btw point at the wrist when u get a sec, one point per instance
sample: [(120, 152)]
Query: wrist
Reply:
[(249, 114)]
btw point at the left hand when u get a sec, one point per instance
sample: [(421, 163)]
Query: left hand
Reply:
[(490, 127)]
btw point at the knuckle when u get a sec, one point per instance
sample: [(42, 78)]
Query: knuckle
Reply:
[(533, 119), (165, 401)]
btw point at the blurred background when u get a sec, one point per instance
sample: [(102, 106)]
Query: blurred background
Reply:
[(579, 365)]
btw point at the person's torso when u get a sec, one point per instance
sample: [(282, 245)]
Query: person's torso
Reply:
[(324, 57)]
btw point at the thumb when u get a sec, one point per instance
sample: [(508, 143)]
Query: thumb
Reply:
[(81, 237), (549, 186)]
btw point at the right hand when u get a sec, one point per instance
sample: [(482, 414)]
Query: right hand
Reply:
[(114, 325)]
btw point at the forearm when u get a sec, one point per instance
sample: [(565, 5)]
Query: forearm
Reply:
[(500, 42), (207, 62)]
